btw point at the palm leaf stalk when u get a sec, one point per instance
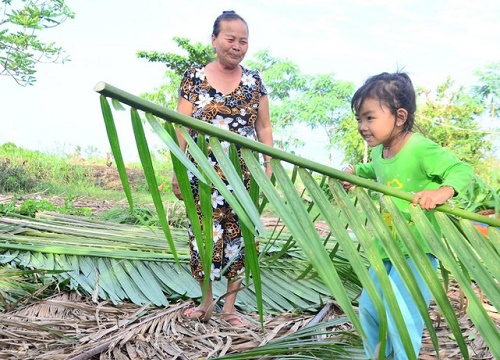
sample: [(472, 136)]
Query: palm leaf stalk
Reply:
[(364, 222)]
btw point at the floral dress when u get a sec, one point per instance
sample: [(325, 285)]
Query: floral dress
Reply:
[(236, 112)]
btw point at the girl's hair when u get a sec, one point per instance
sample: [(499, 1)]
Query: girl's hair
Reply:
[(394, 90), (227, 15)]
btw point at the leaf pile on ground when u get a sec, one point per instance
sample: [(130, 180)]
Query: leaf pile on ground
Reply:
[(70, 326)]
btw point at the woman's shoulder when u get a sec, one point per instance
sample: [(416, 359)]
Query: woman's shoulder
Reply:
[(194, 69), (250, 72)]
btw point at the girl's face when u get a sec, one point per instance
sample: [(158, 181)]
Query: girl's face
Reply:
[(231, 45), (376, 124)]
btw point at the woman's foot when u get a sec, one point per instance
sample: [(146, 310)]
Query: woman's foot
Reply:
[(234, 320)]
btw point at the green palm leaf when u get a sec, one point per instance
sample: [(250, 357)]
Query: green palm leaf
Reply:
[(144, 271), (364, 224), (324, 262)]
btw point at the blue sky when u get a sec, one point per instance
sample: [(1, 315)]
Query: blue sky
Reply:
[(352, 39)]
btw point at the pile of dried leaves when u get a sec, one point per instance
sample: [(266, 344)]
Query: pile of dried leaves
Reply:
[(68, 326)]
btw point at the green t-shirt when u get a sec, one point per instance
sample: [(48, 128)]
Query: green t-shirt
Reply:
[(420, 165)]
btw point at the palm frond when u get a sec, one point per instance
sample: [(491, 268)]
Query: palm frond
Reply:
[(286, 199), (468, 256), (464, 262), (131, 263)]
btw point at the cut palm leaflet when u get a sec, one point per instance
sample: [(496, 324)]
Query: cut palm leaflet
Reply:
[(300, 265)]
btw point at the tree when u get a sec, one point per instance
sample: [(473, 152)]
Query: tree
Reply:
[(449, 116), (166, 94), (325, 104), (285, 83), (488, 92), (488, 89), (20, 47)]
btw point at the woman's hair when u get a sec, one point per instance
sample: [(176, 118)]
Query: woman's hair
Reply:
[(395, 90), (227, 15)]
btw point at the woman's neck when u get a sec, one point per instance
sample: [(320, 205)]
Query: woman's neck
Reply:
[(223, 79), (224, 69)]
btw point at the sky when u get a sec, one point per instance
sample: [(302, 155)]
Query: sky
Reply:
[(430, 39)]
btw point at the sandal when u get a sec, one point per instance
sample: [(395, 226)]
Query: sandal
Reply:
[(235, 320)]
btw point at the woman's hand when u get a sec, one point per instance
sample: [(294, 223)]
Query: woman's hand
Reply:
[(175, 188), (269, 170)]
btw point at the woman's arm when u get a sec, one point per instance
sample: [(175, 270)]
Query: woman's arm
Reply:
[(186, 108), (263, 129)]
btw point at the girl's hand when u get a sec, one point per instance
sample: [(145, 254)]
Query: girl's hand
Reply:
[(175, 188), (345, 184), (429, 199)]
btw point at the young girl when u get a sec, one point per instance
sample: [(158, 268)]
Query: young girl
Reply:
[(385, 110)]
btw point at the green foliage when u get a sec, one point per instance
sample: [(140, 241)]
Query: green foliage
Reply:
[(20, 46), (285, 83), (20, 286), (35, 169), (166, 94), (479, 196), (197, 54), (488, 89), (69, 208), (324, 104), (449, 116), (8, 207), (24, 171), (147, 216), (31, 207), (282, 77), (15, 177)]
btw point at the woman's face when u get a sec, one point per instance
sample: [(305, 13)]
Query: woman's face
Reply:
[(231, 44)]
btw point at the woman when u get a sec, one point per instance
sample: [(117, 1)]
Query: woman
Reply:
[(234, 98)]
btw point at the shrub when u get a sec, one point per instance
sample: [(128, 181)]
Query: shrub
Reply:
[(15, 178)]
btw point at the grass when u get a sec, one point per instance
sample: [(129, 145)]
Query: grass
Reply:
[(32, 180), (38, 181)]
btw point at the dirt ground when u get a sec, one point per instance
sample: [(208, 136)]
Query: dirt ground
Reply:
[(108, 178)]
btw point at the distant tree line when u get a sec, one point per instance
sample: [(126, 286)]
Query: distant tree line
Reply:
[(463, 119), (460, 118)]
